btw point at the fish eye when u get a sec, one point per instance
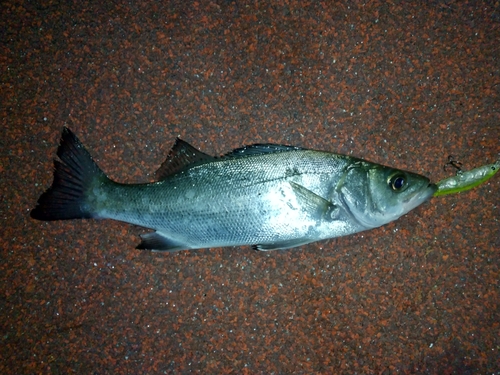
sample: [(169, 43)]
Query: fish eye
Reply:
[(398, 182)]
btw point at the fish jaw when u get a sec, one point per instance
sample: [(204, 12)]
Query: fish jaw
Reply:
[(376, 219), (408, 204), (418, 198)]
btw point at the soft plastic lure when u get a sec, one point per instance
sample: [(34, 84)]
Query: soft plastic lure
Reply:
[(466, 180)]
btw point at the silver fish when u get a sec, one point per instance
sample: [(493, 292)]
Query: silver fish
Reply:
[(268, 196)]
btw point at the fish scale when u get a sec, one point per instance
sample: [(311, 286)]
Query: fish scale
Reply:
[(222, 209)]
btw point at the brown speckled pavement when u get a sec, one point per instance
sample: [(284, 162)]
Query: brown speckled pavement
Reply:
[(403, 84)]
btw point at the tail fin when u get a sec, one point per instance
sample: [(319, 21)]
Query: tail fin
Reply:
[(74, 175)]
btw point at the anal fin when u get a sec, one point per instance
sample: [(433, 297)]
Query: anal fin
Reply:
[(159, 242), (282, 245)]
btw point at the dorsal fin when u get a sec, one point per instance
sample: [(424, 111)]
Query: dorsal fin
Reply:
[(259, 149), (181, 156)]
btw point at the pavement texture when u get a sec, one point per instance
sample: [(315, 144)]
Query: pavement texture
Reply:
[(399, 83)]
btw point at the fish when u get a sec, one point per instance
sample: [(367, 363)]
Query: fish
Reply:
[(267, 196), (466, 180)]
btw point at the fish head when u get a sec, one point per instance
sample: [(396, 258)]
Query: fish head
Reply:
[(376, 195)]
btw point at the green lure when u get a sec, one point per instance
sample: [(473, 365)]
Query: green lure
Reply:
[(467, 180)]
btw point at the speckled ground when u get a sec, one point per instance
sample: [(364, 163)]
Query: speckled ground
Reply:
[(401, 83)]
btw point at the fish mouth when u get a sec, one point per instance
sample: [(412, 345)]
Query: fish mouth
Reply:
[(420, 197), (379, 217)]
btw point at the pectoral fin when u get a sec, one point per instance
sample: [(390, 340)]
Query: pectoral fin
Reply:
[(318, 208), (314, 207)]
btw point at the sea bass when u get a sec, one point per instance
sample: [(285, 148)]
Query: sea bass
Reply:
[(264, 195)]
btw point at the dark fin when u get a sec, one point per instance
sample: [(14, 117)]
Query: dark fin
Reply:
[(259, 149), (282, 245), (73, 175), (317, 208), (181, 156), (159, 242)]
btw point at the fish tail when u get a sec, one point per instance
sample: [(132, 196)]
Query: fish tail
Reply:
[(74, 176)]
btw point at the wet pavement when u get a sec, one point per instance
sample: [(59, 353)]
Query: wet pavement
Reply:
[(404, 84)]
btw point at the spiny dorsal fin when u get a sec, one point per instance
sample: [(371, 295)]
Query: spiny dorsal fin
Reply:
[(181, 156)]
